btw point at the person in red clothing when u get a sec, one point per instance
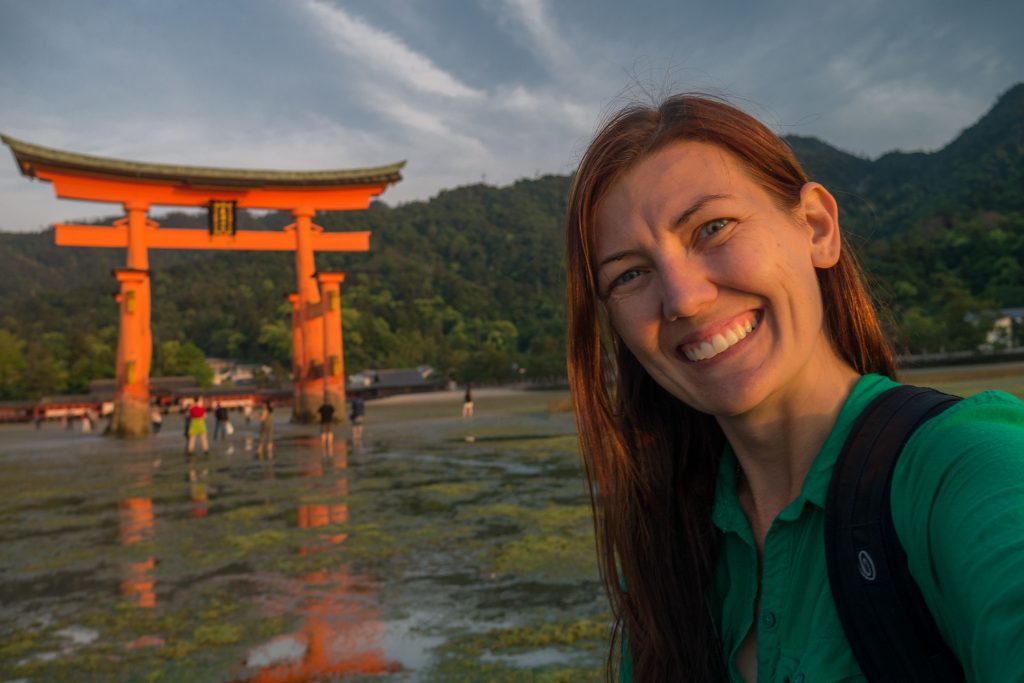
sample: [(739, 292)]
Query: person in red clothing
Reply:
[(197, 426)]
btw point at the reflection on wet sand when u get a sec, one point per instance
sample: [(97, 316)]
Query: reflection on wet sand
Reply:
[(341, 627), (135, 525), (340, 634), (199, 491)]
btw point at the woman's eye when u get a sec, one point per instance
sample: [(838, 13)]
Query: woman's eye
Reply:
[(711, 227), (630, 274)]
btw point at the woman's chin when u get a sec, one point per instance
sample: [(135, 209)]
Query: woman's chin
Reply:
[(729, 398)]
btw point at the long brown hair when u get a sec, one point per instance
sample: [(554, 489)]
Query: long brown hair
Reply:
[(652, 461)]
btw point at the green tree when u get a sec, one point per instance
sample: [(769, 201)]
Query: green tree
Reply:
[(965, 319), (175, 359), (545, 359), (91, 356), (46, 370), (12, 366), (919, 333)]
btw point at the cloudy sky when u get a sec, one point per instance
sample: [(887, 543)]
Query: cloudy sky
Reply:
[(471, 90)]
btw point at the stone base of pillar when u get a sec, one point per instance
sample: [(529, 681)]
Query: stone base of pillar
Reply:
[(131, 417), (305, 407)]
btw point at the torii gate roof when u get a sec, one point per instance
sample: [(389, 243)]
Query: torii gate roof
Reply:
[(30, 157)]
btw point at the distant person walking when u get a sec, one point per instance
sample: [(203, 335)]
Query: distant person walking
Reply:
[(266, 431), (326, 427), (156, 420), (197, 427), (357, 413), (220, 417), (467, 403)]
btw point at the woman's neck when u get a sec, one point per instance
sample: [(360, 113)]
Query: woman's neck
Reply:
[(776, 443)]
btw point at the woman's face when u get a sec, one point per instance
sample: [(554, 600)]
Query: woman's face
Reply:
[(710, 285)]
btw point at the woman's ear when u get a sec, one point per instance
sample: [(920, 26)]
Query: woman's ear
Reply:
[(821, 213)]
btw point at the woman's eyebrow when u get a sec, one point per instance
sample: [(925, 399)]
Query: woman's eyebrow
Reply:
[(701, 202), (617, 256)]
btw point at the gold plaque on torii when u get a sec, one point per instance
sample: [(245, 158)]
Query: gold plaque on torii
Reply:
[(222, 218)]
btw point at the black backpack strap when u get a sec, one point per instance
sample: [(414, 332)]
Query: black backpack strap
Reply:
[(886, 620)]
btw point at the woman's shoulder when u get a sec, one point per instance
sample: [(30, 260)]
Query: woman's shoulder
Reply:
[(976, 439), (965, 462), (964, 466), (985, 422), (957, 495)]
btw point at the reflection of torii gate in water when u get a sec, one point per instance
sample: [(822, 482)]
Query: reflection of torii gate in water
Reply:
[(318, 363)]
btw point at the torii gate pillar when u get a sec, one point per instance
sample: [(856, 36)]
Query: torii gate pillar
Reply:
[(309, 392), (318, 354), (298, 346), (334, 351), (134, 354)]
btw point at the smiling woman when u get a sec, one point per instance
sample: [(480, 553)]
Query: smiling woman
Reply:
[(722, 345)]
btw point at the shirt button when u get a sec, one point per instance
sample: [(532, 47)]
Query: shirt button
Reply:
[(768, 619)]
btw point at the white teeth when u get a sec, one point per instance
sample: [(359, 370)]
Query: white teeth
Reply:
[(719, 342)]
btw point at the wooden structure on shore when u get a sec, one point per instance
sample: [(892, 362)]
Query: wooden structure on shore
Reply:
[(319, 373)]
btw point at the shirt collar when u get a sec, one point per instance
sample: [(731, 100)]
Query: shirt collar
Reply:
[(727, 515)]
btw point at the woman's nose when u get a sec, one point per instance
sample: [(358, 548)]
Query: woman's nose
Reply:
[(685, 289)]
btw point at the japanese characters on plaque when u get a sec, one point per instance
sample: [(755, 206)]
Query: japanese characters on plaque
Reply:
[(222, 218)]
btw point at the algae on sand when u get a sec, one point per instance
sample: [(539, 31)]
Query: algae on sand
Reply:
[(421, 540)]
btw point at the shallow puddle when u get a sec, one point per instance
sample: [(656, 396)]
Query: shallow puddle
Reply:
[(440, 550)]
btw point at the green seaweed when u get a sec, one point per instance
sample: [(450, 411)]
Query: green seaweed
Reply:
[(258, 540), (250, 513), (217, 634), (487, 656), (456, 669), (370, 542), (549, 447), (453, 489), (556, 557), (19, 643), (297, 565), (557, 634)]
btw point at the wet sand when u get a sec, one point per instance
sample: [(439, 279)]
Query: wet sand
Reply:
[(443, 549)]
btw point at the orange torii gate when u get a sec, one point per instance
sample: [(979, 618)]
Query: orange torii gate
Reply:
[(316, 310)]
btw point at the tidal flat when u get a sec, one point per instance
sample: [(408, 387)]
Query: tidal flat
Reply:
[(441, 549)]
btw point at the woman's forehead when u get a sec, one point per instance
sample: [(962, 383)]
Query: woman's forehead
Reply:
[(683, 165), (669, 178)]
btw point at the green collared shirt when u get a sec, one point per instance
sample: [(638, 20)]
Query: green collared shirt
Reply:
[(958, 508)]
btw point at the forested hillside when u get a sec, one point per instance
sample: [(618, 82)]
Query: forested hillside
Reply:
[(471, 281)]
